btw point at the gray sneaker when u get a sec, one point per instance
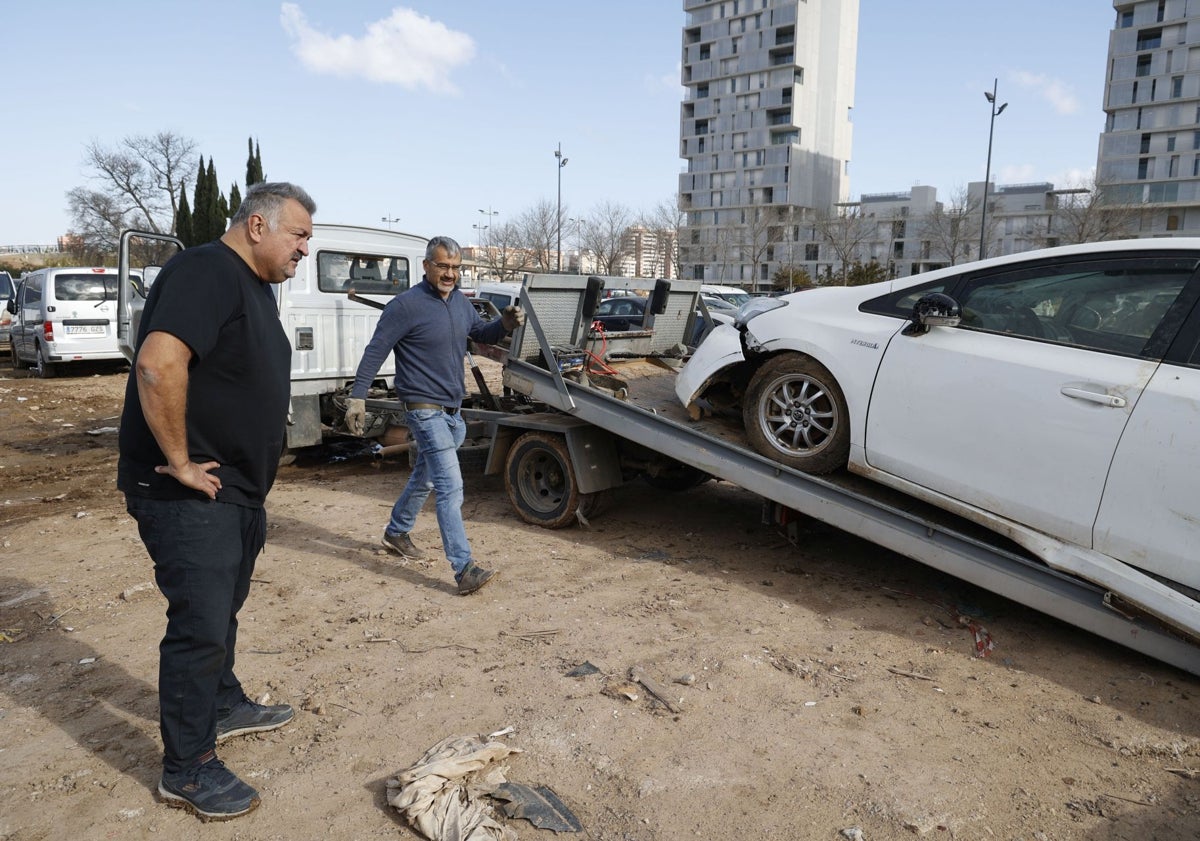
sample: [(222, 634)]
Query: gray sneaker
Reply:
[(402, 545), (473, 578), (209, 790), (249, 717)]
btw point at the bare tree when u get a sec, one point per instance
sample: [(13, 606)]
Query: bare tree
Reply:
[(537, 230), (845, 233), (603, 234), (136, 185), (667, 220), (952, 229), (758, 237), (507, 255), (1086, 212)]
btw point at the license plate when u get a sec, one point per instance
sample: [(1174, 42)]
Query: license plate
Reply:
[(87, 329)]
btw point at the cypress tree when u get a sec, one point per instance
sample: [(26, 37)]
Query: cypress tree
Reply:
[(200, 219), (254, 173), (183, 223), (235, 199), (216, 216)]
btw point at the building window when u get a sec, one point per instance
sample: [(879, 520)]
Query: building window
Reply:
[(1172, 222), (1126, 20), (1171, 143), (1173, 168), (1149, 39), (1145, 148), (812, 251), (705, 51), (1176, 87), (1143, 169), (1143, 65)]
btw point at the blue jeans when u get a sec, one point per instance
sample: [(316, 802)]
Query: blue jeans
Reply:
[(204, 554), (438, 436)]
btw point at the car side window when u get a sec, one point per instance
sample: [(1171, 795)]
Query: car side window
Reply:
[(1113, 306), (899, 304), (364, 273)]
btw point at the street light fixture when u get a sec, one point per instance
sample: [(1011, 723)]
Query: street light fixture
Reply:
[(558, 221), (987, 173), (389, 220)]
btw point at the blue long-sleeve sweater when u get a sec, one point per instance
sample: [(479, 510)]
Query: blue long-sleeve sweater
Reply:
[(428, 336)]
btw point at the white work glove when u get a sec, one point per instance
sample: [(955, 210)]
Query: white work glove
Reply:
[(512, 317), (356, 415)]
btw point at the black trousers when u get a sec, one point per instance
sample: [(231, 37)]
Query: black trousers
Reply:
[(204, 554)]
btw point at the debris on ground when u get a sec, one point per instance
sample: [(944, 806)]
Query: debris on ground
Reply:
[(443, 796)]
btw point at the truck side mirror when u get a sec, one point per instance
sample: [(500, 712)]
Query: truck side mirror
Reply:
[(658, 298), (11, 305)]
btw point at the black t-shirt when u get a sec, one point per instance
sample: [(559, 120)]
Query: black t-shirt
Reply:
[(238, 380)]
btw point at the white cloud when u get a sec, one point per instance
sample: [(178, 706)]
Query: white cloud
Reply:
[(668, 82), (1015, 174), (405, 49), (1058, 93)]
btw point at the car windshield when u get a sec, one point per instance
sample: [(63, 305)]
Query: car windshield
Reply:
[(735, 298)]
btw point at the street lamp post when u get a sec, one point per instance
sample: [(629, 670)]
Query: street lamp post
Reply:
[(575, 223), (987, 173), (487, 242), (558, 221), (389, 220)]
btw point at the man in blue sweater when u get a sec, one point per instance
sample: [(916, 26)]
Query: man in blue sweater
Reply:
[(426, 328)]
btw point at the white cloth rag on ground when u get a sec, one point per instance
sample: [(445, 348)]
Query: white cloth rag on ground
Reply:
[(443, 795)]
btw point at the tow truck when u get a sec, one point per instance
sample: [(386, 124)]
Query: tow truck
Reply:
[(582, 411)]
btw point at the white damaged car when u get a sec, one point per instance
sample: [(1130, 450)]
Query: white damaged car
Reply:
[(1053, 396)]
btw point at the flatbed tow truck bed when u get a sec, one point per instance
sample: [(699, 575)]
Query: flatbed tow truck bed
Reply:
[(636, 409)]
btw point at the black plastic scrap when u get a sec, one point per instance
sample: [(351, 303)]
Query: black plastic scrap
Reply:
[(583, 669), (540, 806)]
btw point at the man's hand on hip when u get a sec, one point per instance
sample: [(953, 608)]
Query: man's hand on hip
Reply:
[(194, 476), (356, 415), (512, 317)]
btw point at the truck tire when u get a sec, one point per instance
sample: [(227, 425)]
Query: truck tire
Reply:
[(541, 482)]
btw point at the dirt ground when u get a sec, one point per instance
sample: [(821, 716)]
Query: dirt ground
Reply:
[(816, 689)]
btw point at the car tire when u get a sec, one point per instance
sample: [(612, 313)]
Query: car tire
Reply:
[(43, 367), (18, 363), (795, 414)]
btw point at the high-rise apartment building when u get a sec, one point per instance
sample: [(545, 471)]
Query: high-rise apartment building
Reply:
[(1150, 150), (764, 128)]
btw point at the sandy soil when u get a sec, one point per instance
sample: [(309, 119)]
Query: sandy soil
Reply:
[(816, 689)]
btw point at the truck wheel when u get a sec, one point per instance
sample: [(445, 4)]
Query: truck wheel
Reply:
[(43, 367), (795, 413), (541, 482)]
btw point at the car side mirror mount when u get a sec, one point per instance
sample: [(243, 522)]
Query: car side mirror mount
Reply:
[(937, 309)]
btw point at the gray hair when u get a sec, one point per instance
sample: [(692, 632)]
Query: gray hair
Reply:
[(447, 244), (267, 198)]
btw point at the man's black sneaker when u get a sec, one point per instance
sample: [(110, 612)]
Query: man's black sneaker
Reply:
[(249, 717), (474, 577), (209, 790), (402, 545)]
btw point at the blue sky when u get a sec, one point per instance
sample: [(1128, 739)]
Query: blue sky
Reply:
[(431, 110)]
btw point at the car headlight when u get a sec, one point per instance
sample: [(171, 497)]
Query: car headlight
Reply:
[(755, 307)]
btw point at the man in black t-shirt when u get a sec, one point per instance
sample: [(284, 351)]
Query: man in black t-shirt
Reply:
[(201, 434)]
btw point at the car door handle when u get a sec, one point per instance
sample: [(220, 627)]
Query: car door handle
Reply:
[(1103, 398)]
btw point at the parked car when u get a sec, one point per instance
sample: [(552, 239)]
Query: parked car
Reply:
[(1053, 396), (500, 294), (62, 315), (7, 292), (628, 312), (732, 294)]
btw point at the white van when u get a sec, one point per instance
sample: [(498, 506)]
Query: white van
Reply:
[(64, 315), (328, 330)]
